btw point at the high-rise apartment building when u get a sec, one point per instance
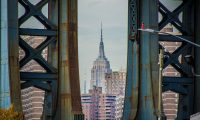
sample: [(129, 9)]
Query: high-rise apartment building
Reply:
[(32, 98), (115, 82), (105, 99), (32, 103), (170, 99), (101, 106), (100, 66)]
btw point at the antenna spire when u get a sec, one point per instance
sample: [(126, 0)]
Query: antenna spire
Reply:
[(101, 45)]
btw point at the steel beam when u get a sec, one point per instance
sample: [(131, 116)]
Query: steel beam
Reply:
[(183, 84), (10, 80), (148, 62), (142, 79), (68, 60), (61, 79), (4, 86), (132, 82), (197, 57), (48, 80), (69, 101)]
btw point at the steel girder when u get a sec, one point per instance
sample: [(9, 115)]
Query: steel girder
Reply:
[(47, 81), (142, 67), (9, 77), (183, 84), (197, 56), (140, 87), (61, 77), (132, 82)]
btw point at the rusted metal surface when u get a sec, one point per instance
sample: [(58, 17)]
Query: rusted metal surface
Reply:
[(10, 30), (142, 78), (64, 79), (182, 20), (148, 62), (160, 112), (69, 87), (73, 55), (15, 84), (132, 81)]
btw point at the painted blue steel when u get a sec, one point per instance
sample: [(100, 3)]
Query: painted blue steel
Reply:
[(142, 68), (5, 99), (26, 76), (47, 81), (184, 84), (173, 17), (168, 38), (35, 54), (38, 84), (178, 80), (132, 81), (173, 59), (37, 32), (197, 57), (147, 108)]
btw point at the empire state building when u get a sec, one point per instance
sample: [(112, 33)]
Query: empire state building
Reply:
[(100, 66)]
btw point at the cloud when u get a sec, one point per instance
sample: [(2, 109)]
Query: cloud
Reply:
[(114, 15)]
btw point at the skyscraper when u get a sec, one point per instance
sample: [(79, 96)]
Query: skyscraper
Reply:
[(101, 66), (99, 106), (102, 103)]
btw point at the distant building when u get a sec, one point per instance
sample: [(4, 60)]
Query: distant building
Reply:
[(170, 99), (103, 103), (100, 106), (32, 98), (100, 66), (32, 103), (115, 82)]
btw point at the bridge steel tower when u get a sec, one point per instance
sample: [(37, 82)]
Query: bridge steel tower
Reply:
[(141, 99), (61, 79), (142, 67)]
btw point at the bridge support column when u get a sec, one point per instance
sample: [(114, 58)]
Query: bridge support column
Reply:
[(142, 77), (197, 58), (69, 101), (9, 69)]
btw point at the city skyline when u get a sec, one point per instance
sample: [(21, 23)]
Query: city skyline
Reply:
[(114, 32)]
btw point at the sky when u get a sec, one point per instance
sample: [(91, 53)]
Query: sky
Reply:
[(114, 16)]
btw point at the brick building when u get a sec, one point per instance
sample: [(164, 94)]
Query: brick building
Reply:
[(101, 106), (32, 98), (170, 99), (115, 82), (105, 99)]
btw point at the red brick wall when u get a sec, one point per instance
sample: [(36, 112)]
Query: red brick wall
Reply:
[(170, 99)]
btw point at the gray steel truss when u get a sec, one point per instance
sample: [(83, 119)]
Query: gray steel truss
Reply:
[(183, 84), (141, 95)]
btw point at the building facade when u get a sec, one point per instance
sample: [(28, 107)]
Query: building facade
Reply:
[(32, 98), (32, 103), (102, 102), (101, 106), (115, 82), (170, 99), (101, 66)]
